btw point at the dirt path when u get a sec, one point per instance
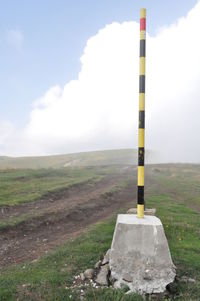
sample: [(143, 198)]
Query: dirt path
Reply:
[(62, 216), (65, 198)]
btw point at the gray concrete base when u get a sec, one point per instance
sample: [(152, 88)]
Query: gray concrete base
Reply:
[(149, 211), (140, 256)]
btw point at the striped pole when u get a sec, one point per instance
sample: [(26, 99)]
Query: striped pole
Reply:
[(141, 130)]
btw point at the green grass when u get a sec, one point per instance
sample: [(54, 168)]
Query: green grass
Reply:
[(19, 186), (182, 180), (14, 221)]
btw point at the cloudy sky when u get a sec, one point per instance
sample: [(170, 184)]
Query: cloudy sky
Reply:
[(69, 77)]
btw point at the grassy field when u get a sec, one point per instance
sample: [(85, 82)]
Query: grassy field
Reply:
[(24, 185), (174, 191)]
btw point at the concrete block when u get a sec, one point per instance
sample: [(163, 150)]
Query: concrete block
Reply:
[(140, 252)]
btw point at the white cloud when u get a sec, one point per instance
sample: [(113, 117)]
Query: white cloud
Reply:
[(6, 132), (99, 110), (15, 39)]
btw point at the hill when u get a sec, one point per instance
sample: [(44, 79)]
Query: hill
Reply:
[(96, 158)]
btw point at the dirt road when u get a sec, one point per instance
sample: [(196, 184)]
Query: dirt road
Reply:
[(60, 216)]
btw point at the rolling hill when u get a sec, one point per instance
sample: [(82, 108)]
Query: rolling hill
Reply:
[(96, 158)]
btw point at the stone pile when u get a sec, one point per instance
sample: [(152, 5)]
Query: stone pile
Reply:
[(100, 273)]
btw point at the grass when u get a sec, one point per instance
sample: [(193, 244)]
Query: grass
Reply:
[(14, 221), (20, 186), (182, 181), (48, 278)]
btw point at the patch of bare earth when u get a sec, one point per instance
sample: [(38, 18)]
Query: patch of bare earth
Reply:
[(63, 215)]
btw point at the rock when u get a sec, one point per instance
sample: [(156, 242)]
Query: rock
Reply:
[(102, 277), (82, 276), (127, 278), (89, 273), (187, 279), (191, 280), (106, 258), (97, 265)]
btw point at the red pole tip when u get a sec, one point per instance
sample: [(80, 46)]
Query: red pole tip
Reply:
[(143, 24)]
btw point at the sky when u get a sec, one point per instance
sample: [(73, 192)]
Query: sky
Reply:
[(69, 77)]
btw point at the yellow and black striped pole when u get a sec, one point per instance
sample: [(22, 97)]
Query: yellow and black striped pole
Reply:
[(141, 130)]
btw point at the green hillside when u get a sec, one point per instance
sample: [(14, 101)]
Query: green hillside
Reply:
[(97, 158)]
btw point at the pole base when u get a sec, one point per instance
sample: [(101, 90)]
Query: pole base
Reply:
[(140, 256)]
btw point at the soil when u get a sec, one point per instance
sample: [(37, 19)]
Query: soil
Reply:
[(61, 216)]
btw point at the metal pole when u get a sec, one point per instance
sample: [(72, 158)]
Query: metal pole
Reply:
[(141, 130)]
